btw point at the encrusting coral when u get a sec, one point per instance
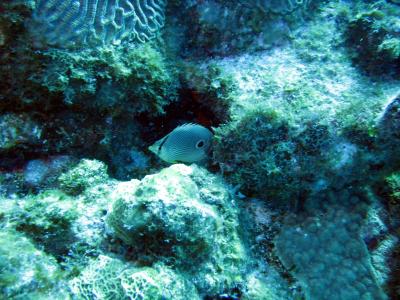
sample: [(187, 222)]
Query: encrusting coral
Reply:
[(330, 244)]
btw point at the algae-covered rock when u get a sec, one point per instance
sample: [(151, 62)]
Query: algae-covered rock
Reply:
[(227, 27), (393, 182), (132, 79), (300, 118), (26, 271), (374, 37), (389, 128), (19, 130), (47, 219), (65, 226), (183, 216), (269, 156), (85, 174), (19, 62), (166, 217), (257, 289), (261, 156), (388, 248)]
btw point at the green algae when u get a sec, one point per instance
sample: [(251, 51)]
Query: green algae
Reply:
[(106, 78), (26, 271), (84, 175), (170, 217), (373, 36)]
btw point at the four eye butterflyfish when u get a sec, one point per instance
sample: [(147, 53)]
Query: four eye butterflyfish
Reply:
[(187, 143)]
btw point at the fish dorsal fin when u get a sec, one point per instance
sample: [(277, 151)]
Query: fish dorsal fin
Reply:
[(185, 125), (190, 126)]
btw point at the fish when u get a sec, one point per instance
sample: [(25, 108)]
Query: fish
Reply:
[(187, 143)]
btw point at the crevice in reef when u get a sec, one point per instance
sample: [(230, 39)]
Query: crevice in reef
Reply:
[(193, 107)]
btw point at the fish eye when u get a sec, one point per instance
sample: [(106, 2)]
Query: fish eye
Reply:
[(200, 144)]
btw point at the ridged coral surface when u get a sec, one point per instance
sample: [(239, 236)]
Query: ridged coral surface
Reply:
[(67, 23), (279, 6)]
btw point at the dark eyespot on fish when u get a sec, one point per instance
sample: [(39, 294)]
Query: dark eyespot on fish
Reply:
[(188, 143)]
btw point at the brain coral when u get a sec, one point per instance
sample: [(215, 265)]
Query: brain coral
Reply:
[(68, 23), (110, 278)]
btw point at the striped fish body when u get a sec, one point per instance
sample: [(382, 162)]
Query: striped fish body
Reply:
[(187, 143)]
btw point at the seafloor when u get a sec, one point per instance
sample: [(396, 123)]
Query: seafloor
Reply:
[(299, 197)]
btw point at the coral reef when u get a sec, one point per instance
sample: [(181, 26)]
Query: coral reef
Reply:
[(217, 27), (80, 23), (299, 198), (26, 272), (299, 119), (107, 79), (18, 131), (176, 232), (47, 97), (47, 219), (389, 127), (330, 244), (173, 218), (296, 133), (87, 173), (43, 78), (374, 36), (109, 278)]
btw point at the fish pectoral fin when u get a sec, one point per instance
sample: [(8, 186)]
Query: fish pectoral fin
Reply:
[(153, 148)]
